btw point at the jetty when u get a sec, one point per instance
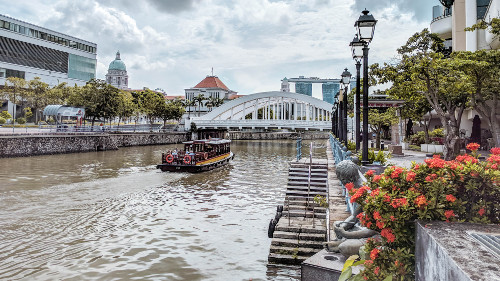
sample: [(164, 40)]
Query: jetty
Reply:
[(301, 227)]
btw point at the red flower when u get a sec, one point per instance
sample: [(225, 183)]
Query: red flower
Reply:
[(481, 212), (495, 150), (380, 224), (396, 263), (410, 176), (387, 233), (448, 214), (376, 271), (374, 253), (421, 201), (375, 192), (393, 218), (450, 198), (368, 224), (397, 171), (349, 186), (387, 198), (473, 146), (360, 215), (398, 202), (369, 173), (376, 215), (368, 262), (377, 178), (474, 174)]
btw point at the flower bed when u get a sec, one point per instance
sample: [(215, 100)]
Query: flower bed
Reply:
[(461, 190)]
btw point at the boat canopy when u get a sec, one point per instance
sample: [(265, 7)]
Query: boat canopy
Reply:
[(209, 141)]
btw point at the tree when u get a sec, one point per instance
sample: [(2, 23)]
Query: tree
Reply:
[(38, 96), (171, 110), (99, 99), (199, 100), (422, 73), (188, 104), (377, 118), (15, 91), (126, 106), (151, 104)]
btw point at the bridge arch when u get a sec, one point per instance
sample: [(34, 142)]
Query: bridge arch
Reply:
[(268, 110)]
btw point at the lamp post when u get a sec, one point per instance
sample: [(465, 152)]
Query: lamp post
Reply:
[(346, 78), (357, 55), (365, 27), (340, 115), (334, 119)]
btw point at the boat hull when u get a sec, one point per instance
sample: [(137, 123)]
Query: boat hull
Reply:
[(166, 167)]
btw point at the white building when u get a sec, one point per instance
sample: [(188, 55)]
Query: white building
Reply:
[(450, 23), (117, 73), (211, 86), (28, 51)]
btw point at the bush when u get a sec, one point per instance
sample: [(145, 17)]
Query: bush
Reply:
[(414, 147), (351, 145), (437, 133), (21, 120), (2, 120), (462, 190), (418, 138)]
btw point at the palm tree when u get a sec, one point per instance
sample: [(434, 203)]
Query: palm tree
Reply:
[(188, 104), (199, 99)]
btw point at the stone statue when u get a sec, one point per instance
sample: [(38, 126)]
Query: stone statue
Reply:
[(350, 235)]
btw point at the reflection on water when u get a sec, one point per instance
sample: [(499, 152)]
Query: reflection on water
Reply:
[(113, 216)]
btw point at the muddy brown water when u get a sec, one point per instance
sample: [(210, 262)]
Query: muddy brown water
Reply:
[(113, 216)]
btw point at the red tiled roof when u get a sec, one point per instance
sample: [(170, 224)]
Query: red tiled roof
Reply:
[(235, 97), (174, 97), (211, 82)]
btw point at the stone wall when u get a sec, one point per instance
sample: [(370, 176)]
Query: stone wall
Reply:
[(242, 135), (30, 145)]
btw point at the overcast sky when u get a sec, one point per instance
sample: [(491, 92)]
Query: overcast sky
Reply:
[(251, 44)]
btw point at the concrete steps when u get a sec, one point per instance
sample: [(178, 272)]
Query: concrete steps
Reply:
[(296, 238)]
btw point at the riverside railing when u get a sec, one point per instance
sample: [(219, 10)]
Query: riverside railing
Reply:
[(341, 153)]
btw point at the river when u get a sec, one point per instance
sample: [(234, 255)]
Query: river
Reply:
[(112, 216)]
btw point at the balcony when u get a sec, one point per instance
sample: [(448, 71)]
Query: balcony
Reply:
[(442, 26)]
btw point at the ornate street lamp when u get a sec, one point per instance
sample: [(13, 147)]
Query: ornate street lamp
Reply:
[(334, 119), (340, 119), (447, 3), (346, 78), (365, 27), (357, 54)]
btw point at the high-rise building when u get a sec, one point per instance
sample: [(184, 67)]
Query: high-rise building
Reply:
[(304, 88), (28, 51), (117, 73), (330, 90)]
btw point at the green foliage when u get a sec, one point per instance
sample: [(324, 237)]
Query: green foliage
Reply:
[(193, 128), (21, 120), (381, 157), (5, 115), (321, 201), (351, 145), (2, 120), (437, 133), (414, 147), (346, 274), (418, 138), (27, 112), (462, 190)]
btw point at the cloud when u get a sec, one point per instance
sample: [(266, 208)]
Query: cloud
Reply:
[(421, 9), (173, 6)]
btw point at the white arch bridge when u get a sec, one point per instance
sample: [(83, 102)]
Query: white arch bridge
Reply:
[(268, 110)]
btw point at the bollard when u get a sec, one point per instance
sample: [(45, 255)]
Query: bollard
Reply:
[(381, 145)]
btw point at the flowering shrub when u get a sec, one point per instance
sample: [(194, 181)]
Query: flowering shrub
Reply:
[(461, 190)]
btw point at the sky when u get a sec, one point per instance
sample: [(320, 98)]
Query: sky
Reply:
[(250, 44)]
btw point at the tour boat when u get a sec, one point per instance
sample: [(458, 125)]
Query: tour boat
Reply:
[(197, 156)]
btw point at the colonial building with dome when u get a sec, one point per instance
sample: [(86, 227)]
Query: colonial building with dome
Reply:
[(117, 73)]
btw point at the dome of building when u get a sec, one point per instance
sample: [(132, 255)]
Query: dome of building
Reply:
[(117, 64)]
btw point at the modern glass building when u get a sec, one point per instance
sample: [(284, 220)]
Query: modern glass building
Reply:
[(28, 51), (330, 89), (304, 88)]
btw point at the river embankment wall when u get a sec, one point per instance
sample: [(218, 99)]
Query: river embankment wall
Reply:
[(31, 145), (311, 135)]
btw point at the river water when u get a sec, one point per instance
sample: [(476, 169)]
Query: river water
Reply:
[(113, 216)]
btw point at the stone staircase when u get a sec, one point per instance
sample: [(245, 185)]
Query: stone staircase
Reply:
[(301, 230)]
